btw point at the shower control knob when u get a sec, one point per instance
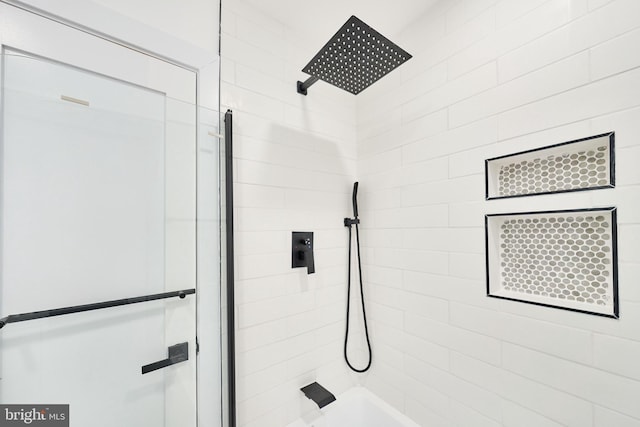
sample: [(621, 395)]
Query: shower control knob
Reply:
[(302, 250)]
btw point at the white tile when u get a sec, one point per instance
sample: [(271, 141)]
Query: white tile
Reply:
[(628, 273), (578, 8), (252, 290), (464, 416), (258, 196), (558, 77), (615, 56), (378, 122), (455, 140), (581, 34), (465, 240), (274, 308), (384, 390), (431, 193), (469, 214), (412, 217), (241, 99), (605, 417), (432, 239), (380, 162), (609, 390), (382, 276), (628, 242), (418, 412), (479, 346), (242, 52), (447, 287), (386, 238), (463, 12), (512, 34), (319, 200), (441, 48), (508, 11), (617, 355), (574, 344), (255, 80), (386, 198), (517, 416), (385, 314), (594, 4), (476, 81), (564, 408), (626, 125), (426, 394), (426, 261), (428, 124), (426, 351), (613, 94), (431, 170), (260, 335), (266, 37), (477, 398), (469, 266), (626, 172)]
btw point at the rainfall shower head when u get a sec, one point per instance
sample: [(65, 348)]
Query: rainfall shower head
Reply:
[(356, 57)]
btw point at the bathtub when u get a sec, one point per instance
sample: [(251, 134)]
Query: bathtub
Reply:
[(357, 407)]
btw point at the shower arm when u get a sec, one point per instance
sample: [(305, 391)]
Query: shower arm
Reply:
[(303, 86)]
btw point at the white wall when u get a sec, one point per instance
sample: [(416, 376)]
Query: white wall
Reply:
[(492, 77), (295, 161)]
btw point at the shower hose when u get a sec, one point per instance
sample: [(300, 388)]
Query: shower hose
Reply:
[(348, 223)]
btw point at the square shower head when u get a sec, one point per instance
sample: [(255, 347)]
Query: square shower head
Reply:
[(356, 57)]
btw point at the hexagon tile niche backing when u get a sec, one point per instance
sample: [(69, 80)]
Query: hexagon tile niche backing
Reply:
[(584, 164), (564, 259)]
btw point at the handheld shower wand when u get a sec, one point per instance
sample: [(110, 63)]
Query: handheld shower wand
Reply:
[(354, 199), (348, 222)]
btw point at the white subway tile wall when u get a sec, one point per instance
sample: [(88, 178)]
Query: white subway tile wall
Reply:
[(488, 77), (295, 160)]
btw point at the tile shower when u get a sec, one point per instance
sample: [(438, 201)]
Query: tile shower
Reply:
[(488, 78)]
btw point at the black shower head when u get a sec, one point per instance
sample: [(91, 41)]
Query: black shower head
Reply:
[(356, 57)]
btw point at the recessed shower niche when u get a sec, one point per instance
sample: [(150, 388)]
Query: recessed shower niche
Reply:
[(565, 259), (583, 164)]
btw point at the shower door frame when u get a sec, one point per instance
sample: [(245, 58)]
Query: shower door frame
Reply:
[(199, 136)]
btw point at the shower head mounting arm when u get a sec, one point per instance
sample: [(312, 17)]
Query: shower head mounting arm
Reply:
[(303, 86)]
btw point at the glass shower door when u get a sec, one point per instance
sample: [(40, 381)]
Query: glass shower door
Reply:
[(98, 245)]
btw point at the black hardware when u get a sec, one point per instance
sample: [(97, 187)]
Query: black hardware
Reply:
[(318, 394), (354, 199), (303, 86), (302, 250), (231, 337), (348, 222), (354, 58), (177, 353), (14, 318)]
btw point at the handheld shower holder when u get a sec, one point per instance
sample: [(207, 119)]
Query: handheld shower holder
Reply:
[(348, 222)]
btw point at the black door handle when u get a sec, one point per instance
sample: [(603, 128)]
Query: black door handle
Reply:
[(177, 353)]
